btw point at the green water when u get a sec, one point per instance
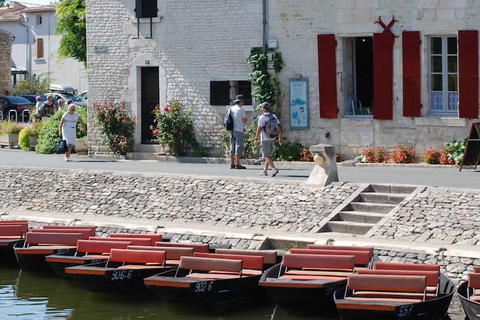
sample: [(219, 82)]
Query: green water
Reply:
[(34, 296)]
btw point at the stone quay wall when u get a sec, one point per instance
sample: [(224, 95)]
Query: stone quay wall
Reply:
[(433, 226)]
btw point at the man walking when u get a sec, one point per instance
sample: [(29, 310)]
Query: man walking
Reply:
[(236, 139), (269, 128)]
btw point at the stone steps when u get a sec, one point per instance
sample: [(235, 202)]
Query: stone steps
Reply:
[(367, 209)]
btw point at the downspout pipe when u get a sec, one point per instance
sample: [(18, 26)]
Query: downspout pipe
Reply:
[(264, 35)]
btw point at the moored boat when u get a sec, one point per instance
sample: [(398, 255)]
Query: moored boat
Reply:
[(11, 234), (469, 295), (395, 291)]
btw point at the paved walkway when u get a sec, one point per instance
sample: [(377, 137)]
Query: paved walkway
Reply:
[(441, 177)]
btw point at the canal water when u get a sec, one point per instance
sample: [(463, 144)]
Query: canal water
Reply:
[(33, 296)]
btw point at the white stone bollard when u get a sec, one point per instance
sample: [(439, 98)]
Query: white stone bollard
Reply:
[(325, 170)]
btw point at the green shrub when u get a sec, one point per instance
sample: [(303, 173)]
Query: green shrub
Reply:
[(373, 155), (49, 133), (10, 127), (403, 154), (289, 151), (452, 153), (24, 135)]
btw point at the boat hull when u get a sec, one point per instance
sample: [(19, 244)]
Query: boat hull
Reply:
[(204, 292), (297, 293), (471, 308), (427, 310), (132, 280), (58, 263), (33, 258), (7, 252)]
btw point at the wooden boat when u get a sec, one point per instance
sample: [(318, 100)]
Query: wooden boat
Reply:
[(125, 269), (469, 295), (134, 241), (154, 238), (197, 247), (11, 235), (210, 279), (363, 257), (307, 279), (395, 291), (38, 245), (88, 252)]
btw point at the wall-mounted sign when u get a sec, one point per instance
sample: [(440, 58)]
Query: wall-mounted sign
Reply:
[(299, 103), (100, 49)]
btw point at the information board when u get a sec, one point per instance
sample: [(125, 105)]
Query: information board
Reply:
[(299, 103)]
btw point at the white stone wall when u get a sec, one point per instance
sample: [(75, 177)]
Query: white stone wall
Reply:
[(5, 54), (200, 41)]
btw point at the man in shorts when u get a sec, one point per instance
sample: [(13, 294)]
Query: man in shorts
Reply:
[(236, 138), (268, 143)]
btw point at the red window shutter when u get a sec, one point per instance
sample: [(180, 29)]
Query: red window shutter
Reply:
[(411, 73), (383, 76), (468, 74), (327, 76)]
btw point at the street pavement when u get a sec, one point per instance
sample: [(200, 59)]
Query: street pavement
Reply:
[(431, 176)]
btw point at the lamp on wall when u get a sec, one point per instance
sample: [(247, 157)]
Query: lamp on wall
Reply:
[(13, 38)]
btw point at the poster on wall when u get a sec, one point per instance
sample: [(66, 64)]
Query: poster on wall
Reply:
[(299, 103)]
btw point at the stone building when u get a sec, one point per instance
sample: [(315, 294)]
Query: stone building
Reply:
[(374, 72), (5, 56)]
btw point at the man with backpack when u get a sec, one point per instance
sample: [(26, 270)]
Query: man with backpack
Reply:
[(239, 117), (269, 128)]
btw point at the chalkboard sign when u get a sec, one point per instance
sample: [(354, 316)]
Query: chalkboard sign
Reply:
[(471, 155)]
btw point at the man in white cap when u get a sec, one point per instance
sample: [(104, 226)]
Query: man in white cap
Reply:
[(236, 138)]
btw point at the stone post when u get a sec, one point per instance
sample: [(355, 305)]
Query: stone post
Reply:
[(325, 170)]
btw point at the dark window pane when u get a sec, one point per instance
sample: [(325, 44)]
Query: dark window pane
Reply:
[(436, 45), (437, 64), (452, 82), (452, 64), (437, 82), (219, 93), (452, 45), (245, 88)]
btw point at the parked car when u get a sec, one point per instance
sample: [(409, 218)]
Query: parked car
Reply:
[(83, 95), (59, 91), (18, 104)]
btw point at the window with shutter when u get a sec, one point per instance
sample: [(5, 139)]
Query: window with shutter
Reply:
[(383, 76), (327, 76), (411, 73), (468, 74), (38, 50)]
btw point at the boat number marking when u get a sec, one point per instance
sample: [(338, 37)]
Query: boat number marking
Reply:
[(122, 274), (203, 286), (62, 251), (405, 310)]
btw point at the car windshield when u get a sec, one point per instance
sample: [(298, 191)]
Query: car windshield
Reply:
[(69, 96), (18, 100)]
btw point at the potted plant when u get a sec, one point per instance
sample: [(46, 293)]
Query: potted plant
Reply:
[(9, 134), (27, 138)]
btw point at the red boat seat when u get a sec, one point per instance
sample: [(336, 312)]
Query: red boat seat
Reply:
[(249, 262), (137, 256), (476, 269), (197, 247), (85, 232), (314, 261), (98, 246), (474, 286), (134, 241), (343, 274), (93, 228), (212, 276), (211, 264), (352, 248), (362, 258), (380, 300), (298, 277), (23, 223), (269, 256), (140, 267), (52, 238), (153, 237), (406, 266), (11, 231), (173, 254)]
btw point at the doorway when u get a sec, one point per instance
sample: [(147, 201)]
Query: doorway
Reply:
[(359, 75), (150, 95)]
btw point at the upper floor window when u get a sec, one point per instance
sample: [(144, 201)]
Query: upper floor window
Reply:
[(39, 20), (443, 74), (38, 49)]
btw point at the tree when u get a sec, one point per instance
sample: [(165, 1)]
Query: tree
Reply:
[(71, 25), (4, 3)]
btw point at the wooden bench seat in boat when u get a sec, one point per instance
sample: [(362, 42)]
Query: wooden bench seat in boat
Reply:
[(23, 223), (433, 277), (476, 269), (89, 249), (385, 288), (348, 248), (362, 258), (153, 237), (137, 257), (85, 232), (173, 254), (197, 247), (406, 266), (52, 238), (252, 265), (225, 268), (473, 290), (8, 231), (269, 256), (333, 273), (134, 241), (73, 228)]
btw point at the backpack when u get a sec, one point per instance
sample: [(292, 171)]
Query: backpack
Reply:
[(228, 120), (271, 126)]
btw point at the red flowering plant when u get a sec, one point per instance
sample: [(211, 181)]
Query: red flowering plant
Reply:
[(174, 128), (117, 124), (305, 155), (403, 154), (373, 155), (431, 156)]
